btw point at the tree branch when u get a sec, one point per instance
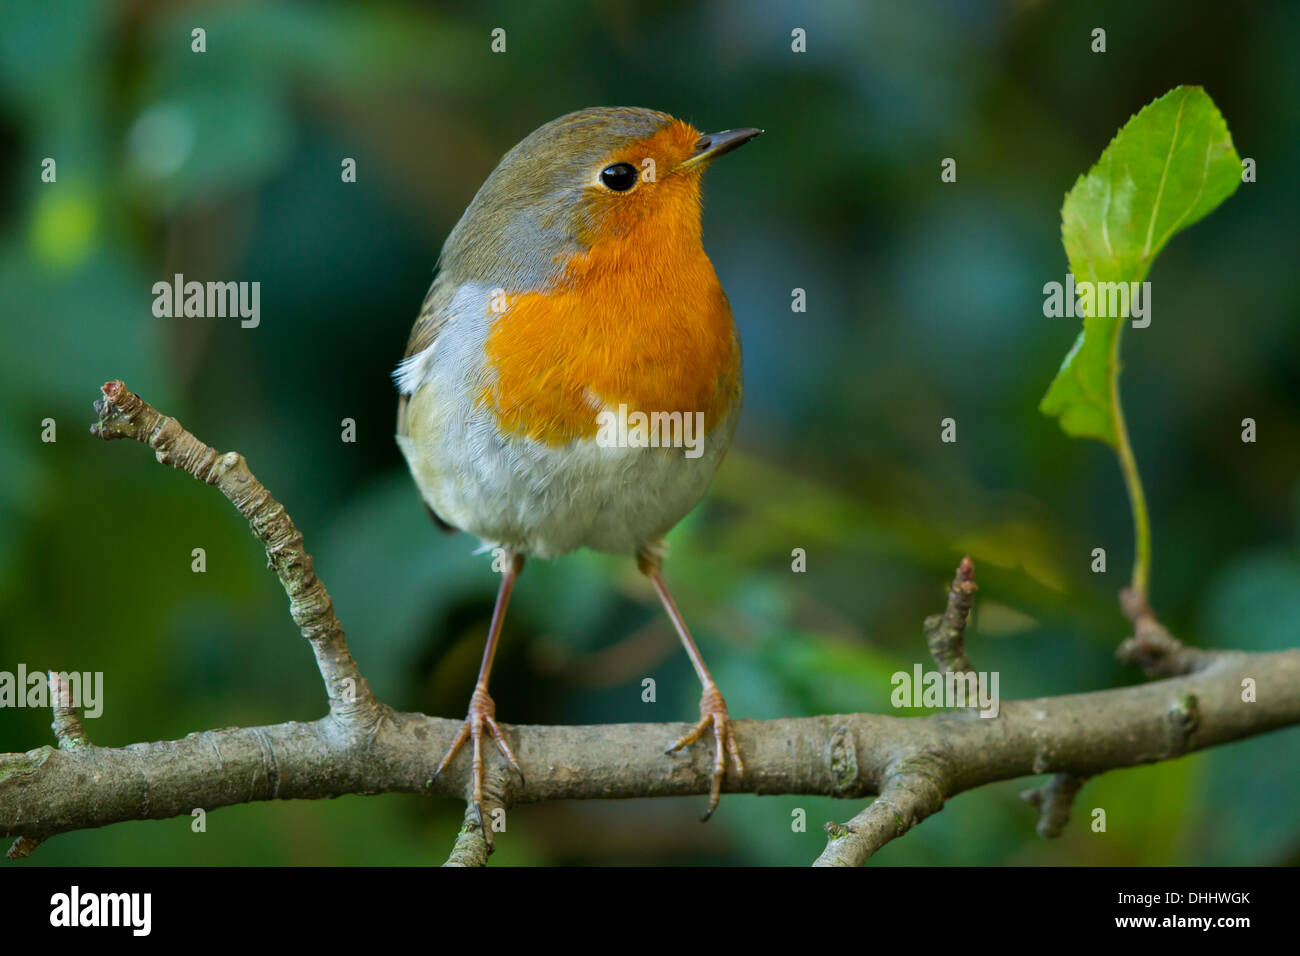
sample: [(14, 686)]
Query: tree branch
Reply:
[(364, 747), (914, 788), (46, 791), (123, 414)]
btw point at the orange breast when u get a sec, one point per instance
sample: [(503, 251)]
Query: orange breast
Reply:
[(640, 319)]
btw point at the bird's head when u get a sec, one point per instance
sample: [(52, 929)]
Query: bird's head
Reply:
[(606, 175)]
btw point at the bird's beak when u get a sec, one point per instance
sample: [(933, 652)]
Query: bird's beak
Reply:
[(712, 145)]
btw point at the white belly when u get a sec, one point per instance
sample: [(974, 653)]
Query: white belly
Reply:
[(539, 499)]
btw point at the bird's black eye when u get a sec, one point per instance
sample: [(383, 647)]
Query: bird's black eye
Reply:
[(619, 177)]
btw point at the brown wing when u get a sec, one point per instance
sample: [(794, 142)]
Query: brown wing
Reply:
[(432, 317)]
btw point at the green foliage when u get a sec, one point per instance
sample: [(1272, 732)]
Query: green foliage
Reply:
[(1167, 168)]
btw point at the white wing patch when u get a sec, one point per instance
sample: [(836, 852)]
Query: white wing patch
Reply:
[(412, 370), (464, 330)]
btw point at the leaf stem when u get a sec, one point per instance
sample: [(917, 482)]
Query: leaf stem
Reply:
[(1136, 496)]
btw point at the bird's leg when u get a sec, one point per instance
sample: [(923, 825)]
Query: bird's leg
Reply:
[(713, 709), (482, 709)]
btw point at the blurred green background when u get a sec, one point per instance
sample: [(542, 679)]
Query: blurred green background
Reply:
[(924, 301)]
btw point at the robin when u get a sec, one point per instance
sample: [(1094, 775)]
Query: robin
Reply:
[(574, 376)]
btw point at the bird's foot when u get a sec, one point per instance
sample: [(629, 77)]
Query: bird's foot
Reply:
[(713, 713), (482, 713)]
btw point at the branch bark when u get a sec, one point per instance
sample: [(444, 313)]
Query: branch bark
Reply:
[(47, 791), (362, 746)]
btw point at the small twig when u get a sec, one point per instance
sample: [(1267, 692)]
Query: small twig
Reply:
[(22, 847), (123, 414), (69, 733), (471, 848), (67, 726), (1053, 800), (914, 789), (945, 633), (1152, 647), (474, 843)]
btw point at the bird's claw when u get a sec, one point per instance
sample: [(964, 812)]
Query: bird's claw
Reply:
[(713, 713), (482, 713)]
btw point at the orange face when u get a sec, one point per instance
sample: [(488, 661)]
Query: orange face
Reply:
[(662, 191), (639, 318)]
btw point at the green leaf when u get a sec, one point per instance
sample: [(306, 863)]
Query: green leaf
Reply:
[(1169, 167)]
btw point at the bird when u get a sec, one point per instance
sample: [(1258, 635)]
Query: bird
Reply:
[(573, 378)]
